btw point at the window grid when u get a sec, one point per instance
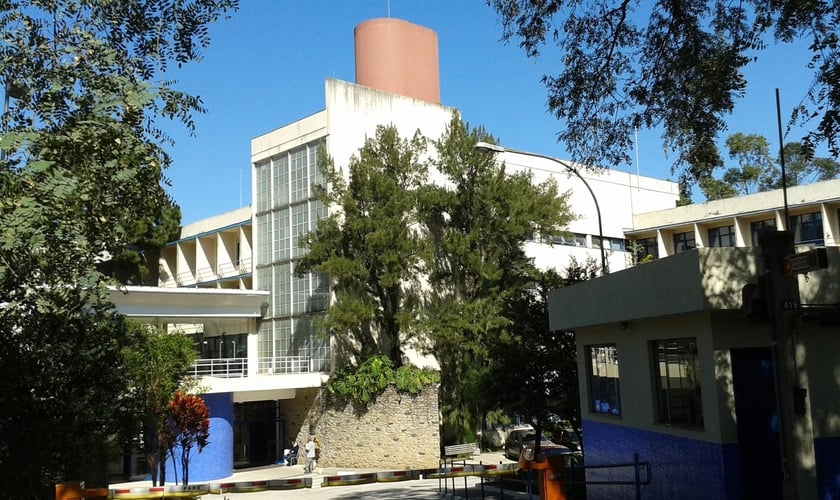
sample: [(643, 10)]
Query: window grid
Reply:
[(299, 176), (282, 288), (723, 236), (807, 228), (280, 175), (264, 239), (300, 228), (300, 294), (317, 174), (759, 227), (684, 242), (281, 235), (677, 374), (263, 176), (604, 386), (647, 246)]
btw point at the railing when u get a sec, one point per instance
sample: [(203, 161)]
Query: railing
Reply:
[(221, 367), (574, 478), (284, 365), (209, 274), (639, 468)]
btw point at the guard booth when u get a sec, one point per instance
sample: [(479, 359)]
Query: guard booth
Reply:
[(673, 369)]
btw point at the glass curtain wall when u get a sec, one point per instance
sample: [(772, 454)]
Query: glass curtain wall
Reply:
[(286, 211)]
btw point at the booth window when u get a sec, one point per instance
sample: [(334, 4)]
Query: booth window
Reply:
[(604, 394), (677, 375)]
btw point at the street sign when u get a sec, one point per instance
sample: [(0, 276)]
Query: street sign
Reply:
[(805, 262)]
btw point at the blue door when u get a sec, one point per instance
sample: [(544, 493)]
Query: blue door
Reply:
[(758, 423)]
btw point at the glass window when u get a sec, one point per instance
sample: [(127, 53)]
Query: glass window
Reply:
[(677, 374), (280, 176), (807, 228), (722, 236), (281, 235), (282, 290), (264, 241), (684, 242), (604, 391), (644, 247), (263, 176), (299, 176), (759, 227), (300, 228)]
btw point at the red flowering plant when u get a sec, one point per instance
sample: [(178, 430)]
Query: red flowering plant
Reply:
[(188, 427)]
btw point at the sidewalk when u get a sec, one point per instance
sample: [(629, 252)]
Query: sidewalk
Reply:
[(412, 489)]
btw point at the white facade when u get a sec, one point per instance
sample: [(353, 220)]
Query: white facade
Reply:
[(812, 213)]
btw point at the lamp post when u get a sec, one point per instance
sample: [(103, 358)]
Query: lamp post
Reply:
[(495, 148)]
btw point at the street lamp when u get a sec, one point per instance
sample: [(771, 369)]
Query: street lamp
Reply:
[(495, 148)]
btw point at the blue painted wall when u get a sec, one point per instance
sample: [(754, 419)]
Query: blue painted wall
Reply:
[(681, 468), (827, 453), (216, 460)]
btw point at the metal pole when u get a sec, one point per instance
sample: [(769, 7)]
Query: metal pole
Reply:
[(500, 149), (782, 160)]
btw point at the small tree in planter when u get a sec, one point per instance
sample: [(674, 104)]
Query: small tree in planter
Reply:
[(188, 426)]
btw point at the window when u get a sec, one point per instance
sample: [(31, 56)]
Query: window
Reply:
[(676, 370), (280, 177), (643, 247), (603, 379), (722, 236), (684, 242), (263, 175), (614, 244), (807, 228), (760, 227), (299, 176)]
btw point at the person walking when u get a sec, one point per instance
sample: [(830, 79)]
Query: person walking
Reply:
[(310, 455)]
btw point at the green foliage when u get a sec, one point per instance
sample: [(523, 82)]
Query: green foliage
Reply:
[(758, 171), (363, 383), (371, 249), (81, 180), (157, 367), (533, 371), (478, 222), (675, 65)]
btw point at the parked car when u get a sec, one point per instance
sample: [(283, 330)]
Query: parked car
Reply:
[(569, 439), (519, 439)]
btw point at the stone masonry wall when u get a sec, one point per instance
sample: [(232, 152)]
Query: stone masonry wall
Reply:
[(395, 431)]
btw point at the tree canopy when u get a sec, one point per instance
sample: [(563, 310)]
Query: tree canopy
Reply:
[(370, 246), (757, 170), (677, 65), (81, 183)]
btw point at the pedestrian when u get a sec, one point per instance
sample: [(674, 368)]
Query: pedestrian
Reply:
[(292, 453), (310, 455)]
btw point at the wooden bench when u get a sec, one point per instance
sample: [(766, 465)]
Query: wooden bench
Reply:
[(456, 450)]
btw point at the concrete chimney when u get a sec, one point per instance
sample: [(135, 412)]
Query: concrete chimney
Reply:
[(398, 57)]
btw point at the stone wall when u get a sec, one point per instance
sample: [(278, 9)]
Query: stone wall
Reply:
[(395, 431)]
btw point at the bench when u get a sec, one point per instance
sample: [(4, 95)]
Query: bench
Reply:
[(456, 450)]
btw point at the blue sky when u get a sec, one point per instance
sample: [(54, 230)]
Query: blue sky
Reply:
[(266, 68)]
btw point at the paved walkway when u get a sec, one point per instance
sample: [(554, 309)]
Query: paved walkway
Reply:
[(469, 487)]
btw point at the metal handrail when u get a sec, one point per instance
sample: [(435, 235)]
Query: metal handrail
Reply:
[(221, 367)]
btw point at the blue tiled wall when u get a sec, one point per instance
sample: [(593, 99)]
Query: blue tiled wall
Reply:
[(216, 460), (681, 468), (827, 453)]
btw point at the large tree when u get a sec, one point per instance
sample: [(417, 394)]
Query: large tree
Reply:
[(478, 220), (81, 181), (676, 64), (533, 370), (758, 171), (370, 246)]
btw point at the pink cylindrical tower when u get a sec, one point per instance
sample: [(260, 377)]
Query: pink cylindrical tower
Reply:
[(398, 57)]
